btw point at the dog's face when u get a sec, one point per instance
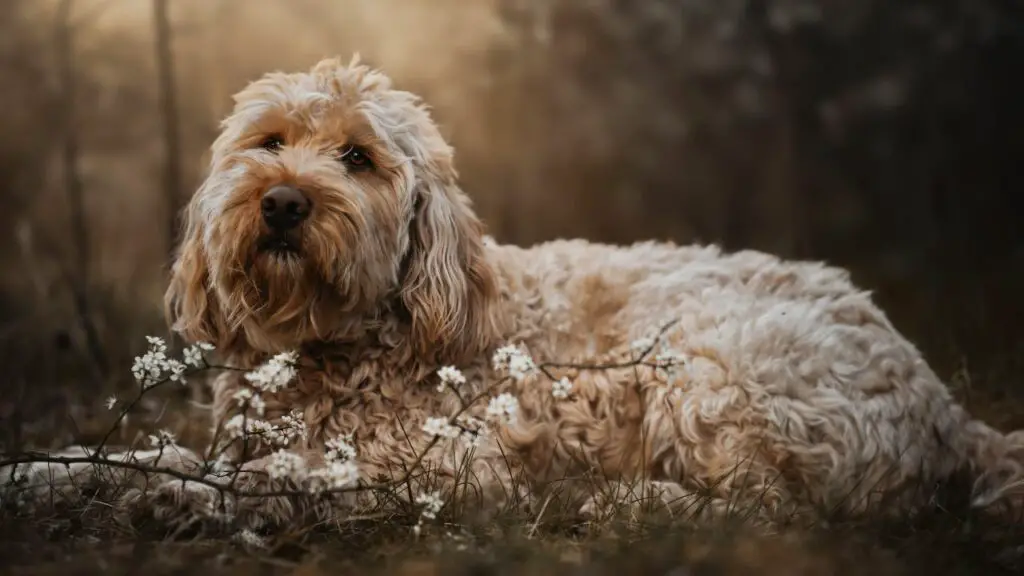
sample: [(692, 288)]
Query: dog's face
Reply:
[(331, 197)]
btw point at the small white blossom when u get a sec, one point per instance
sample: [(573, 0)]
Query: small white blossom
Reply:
[(431, 502), (291, 428), (275, 374), (441, 427), (154, 365), (295, 425), (561, 389), (474, 430), (450, 377), (340, 449), (245, 397), (249, 539), (510, 358), (110, 402), (193, 355), (503, 407), (176, 370), (162, 438), (336, 475), (287, 465)]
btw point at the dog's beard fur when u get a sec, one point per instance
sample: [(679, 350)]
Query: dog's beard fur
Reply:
[(343, 258)]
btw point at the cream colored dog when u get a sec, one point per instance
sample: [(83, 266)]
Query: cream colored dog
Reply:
[(332, 223)]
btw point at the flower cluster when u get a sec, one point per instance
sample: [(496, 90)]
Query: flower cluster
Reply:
[(503, 407), (472, 430), (246, 398), (432, 504), (340, 469), (335, 475), (287, 465), (292, 427), (561, 389), (340, 449), (193, 355), (274, 374), (441, 427), (338, 472), (451, 377), (511, 359), (154, 366)]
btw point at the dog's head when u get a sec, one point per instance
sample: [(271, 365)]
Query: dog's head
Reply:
[(331, 196)]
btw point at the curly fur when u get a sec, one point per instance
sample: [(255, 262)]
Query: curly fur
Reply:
[(797, 391)]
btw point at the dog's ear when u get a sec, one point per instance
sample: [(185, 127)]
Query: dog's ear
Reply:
[(449, 288), (189, 305)]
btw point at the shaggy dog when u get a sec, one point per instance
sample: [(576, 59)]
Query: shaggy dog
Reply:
[(332, 223)]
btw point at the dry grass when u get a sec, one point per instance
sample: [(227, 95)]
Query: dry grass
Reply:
[(877, 137)]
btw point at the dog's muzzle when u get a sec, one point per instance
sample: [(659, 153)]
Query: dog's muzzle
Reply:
[(284, 208)]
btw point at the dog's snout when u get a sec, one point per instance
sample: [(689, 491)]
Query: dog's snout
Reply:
[(284, 207)]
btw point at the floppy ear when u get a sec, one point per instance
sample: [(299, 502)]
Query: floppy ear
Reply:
[(189, 304), (449, 288)]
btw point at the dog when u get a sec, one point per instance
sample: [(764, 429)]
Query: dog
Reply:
[(332, 224)]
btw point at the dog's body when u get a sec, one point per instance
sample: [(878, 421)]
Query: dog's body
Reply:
[(787, 385)]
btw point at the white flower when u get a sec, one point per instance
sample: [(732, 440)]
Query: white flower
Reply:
[(257, 404), (291, 428), (503, 407), (295, 425), (245, 397), (275, 374), (249, 539), (162, 438), (561, 389), (441, 427), (510, 358), (336, 475), (431, 502), (193, 355), (340, 449), (287, 465), (110, 402), (474, 430), (154, 365), (450, 377)]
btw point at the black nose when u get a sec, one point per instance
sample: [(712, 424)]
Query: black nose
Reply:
[(284, 207)]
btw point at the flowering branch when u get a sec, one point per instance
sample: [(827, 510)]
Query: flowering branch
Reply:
[(339, 474)]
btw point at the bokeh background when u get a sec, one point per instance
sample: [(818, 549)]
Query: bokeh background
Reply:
[(882, 136)]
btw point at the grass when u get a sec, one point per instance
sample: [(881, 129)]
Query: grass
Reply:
[(942, 540)]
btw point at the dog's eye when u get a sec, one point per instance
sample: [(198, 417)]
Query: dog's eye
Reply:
[(272, 143), (355, 158)]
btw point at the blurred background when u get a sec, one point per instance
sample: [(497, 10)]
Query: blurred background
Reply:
[(881, 136)]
